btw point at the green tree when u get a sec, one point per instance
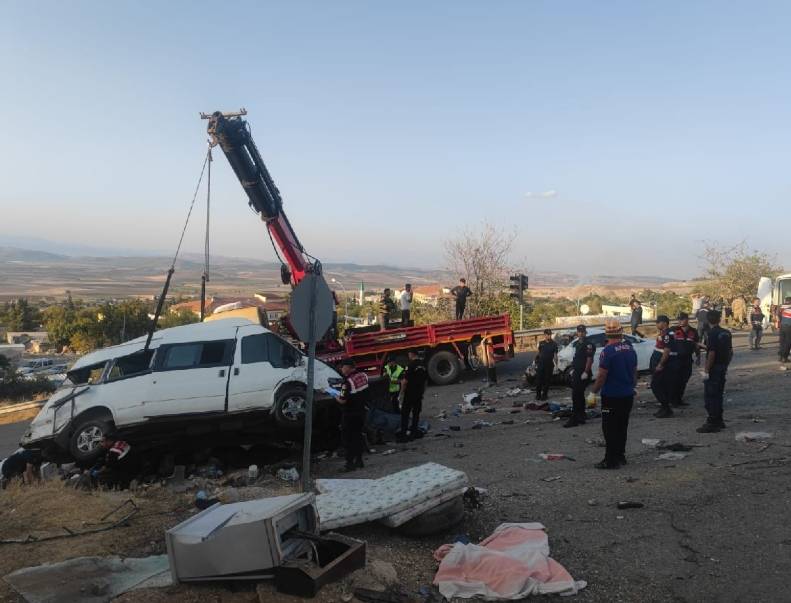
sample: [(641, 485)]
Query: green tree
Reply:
[(666, 302), (19, 315), (183, 316), (734, 271)]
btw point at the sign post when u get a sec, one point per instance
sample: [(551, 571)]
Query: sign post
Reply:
[(311, 315)]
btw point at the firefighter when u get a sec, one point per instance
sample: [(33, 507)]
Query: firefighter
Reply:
[(546, 360), (783, 323), (386, 309), (414, 384), (616, 380), (664, 367), (353, 400), (688, 343), (718, 357), (581, 376), (393, 372), (756, 324)]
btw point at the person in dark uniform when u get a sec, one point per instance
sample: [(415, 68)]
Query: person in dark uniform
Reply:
[(718, 357), (582, 365), (414, 384), (22, 463), (783, 323), (386, 309), (119, 465), (637, 316), (546, 360), (688, 344), (616, 380), (461, 292), (703, 321), (664, 367), (353, 400), (756, 324)]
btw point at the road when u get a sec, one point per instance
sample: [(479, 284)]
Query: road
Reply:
[(9, 437)]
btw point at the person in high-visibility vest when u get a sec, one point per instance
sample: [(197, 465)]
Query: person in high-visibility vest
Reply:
[(393, 372)]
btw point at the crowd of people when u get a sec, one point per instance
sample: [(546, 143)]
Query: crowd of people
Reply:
[(388, 310)]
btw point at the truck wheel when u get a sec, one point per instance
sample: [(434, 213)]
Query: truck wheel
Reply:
[(289, 410), (443, 367), (85, 443), (472, 359)]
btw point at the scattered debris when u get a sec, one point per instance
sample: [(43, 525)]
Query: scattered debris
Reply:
[(508, 422), (95, 579), (388, 452), (592, 502), (671, 456), (555, 456), (752, 436), (652, 442), (598, 442), (678, 447), (480, 424), (252, 473), (455, 427), (554, 478), (624, 504), (473, 398), (288, 475), (513, 392)]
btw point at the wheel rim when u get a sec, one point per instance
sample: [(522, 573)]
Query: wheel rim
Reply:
[(293, 408), (89, 438), (444, 367), (472, 358)]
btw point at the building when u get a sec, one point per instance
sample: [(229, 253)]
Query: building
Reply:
[(649, 312), (275, 308)]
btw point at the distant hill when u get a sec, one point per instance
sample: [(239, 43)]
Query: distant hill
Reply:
[(14, 254)]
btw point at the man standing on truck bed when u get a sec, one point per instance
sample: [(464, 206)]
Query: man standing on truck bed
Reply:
[(353, 400), (386, 309), (783, 323), (461, 292), (414, 384), (406, 305)]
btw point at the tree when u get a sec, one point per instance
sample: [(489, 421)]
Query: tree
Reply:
[(19, 315), (183, 316), (734, 271), (666, 302), (481, 257)]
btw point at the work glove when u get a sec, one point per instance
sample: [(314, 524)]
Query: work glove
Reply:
[(584, 376)]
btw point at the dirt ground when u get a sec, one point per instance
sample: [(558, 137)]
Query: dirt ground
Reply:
[(714, 526)]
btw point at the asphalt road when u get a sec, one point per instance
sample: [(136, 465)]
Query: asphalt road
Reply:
[(9, 437)]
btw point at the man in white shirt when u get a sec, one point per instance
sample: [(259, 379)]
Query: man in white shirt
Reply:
[(406, 304)]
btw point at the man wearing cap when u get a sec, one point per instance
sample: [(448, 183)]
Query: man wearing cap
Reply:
[(353, 400), (718, 357), (664, 367), (582, 365), (616, 380), (688, 343), (546, 360)]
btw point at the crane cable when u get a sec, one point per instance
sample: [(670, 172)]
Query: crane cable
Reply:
[(172, 269)]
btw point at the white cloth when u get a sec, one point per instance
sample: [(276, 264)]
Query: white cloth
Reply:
[(406, 300)]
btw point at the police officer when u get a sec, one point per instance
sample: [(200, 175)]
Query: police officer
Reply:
[(546, 359), (582, 365), (664, 367), (353, 400), (414, 384), (393, 372), (688, 343), (718, 357), (783, 323)]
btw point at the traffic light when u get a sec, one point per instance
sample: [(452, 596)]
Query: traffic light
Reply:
[(517, 287)]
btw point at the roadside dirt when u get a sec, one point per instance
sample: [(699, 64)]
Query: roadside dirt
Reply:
[(714, 526)]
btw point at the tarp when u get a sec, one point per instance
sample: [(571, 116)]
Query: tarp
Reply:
[(512, 563)]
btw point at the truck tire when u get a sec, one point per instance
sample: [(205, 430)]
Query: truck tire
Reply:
[(443, 368), (86, 438), (289, 409)]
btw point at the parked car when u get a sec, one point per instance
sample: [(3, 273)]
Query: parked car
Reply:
[(228, 376), (563, 372)]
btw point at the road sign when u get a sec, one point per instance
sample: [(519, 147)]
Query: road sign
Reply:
[(299, 313)]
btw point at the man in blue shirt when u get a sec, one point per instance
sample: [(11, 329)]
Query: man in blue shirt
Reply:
[(616, 380)]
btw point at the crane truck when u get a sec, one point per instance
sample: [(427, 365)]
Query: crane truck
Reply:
[(447, 347)]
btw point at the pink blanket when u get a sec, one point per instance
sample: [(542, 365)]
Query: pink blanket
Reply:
[(512, 563)]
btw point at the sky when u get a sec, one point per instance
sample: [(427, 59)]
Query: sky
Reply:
[(612, 137)]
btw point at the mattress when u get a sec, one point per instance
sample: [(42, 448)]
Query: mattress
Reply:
[(422, 487)]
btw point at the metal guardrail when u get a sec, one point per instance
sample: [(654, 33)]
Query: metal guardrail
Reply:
[(527, 339)]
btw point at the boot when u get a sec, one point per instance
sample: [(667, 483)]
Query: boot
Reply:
[(664, 413), (622, 459), (605, 464), (358, 462), (574, 421), (708, 427)]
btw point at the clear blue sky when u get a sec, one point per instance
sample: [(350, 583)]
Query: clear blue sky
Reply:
[(390, 126)]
